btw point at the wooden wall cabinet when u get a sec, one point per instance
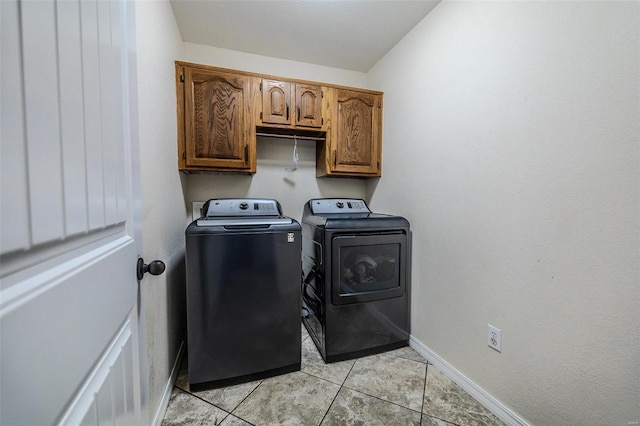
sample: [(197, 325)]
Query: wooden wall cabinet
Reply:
[(291, 104), (216, 131), (220, 111), (354, 141)]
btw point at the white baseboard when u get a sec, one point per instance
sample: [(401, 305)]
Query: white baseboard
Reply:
[(166, 396), (500, 410)]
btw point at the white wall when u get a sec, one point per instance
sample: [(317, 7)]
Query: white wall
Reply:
[(163, 205), (234, 59), (274, 155), (513, 129)]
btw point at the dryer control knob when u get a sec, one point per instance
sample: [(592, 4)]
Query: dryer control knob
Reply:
[(340, 204), (244, 206)]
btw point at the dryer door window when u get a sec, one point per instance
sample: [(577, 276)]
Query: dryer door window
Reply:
[(368, 267)]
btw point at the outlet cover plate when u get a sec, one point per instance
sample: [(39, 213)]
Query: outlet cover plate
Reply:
[(494, 339)]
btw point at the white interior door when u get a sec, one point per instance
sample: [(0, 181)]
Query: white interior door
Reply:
[(70, 330)]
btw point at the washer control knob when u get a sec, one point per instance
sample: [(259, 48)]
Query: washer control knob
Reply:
[(244, 205), (340, 204)]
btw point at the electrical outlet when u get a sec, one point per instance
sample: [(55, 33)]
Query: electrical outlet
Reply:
[(495, 338), (195, 209)]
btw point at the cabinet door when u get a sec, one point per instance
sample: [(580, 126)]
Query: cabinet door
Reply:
[(357, 133), (218, 125), (308, 105), (276, 100)]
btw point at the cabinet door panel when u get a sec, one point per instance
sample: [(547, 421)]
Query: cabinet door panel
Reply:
[(357, 133), (276, 100), (308, 105), (217, 119)]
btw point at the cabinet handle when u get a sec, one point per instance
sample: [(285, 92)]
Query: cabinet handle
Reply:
[(246, 153), (298, 112), (287, 111), (335, 159)]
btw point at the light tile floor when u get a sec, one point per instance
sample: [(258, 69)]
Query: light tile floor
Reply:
[(394, 388)]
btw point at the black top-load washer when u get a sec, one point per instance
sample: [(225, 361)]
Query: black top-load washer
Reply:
[(243, 262), (356, 278)]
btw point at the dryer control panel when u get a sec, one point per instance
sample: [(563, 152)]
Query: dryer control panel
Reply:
[(338, 205)]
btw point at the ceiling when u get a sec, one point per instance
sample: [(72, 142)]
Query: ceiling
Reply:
[(346, 34)]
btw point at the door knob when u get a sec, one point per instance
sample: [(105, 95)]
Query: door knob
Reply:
[(156, 267)]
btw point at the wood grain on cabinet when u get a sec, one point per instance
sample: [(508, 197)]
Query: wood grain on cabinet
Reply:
[(278, 109), (220, 111), (308, 105), (218, 128), (353, 146), (276, 100)]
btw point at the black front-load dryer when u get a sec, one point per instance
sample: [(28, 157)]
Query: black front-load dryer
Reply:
[(356, 278), (243, 292)]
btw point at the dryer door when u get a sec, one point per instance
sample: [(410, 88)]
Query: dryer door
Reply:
[(368, 267)]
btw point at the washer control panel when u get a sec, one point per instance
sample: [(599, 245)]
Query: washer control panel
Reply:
[(218, 207), (338, 205)]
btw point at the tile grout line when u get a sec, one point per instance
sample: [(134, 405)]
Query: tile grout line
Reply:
[(383, 400), (188, 392), (425, 362), (321, 378), (330, 405), (422, 413), (424, 391), (230, 412), (339, 389), (243, 400)]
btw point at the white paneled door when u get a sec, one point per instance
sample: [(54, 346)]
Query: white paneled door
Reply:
[(70, 329)]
